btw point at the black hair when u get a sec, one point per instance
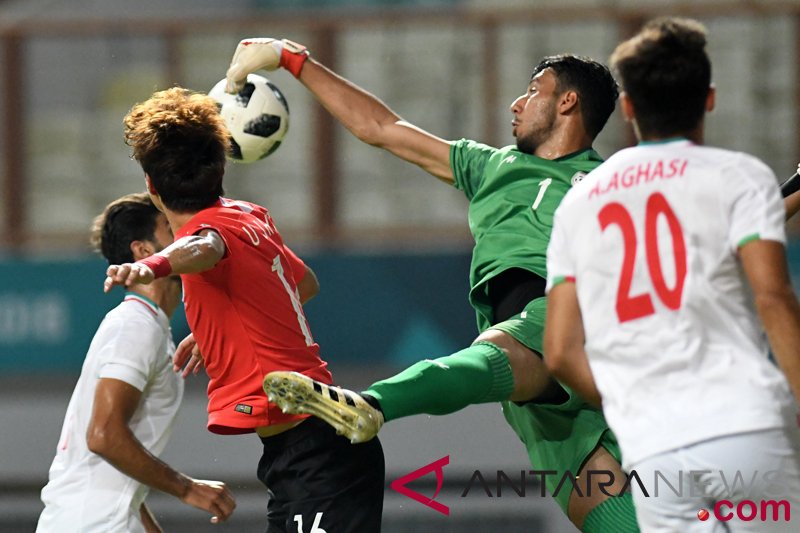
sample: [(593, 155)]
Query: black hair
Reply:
[(666, 73), (592, 81), (130, 218)]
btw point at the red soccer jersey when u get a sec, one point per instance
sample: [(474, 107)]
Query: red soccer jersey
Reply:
[(246, 316)]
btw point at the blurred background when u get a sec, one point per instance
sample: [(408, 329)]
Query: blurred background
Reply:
[(389, 243)]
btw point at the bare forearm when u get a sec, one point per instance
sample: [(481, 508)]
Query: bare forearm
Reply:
[(780, 315), (371, 121), (148, 520), (792, 205), (123, 451), (193, 254), (578, 375), (358, 110)]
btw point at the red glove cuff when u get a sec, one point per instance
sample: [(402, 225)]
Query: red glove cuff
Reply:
[(159, 264), (293, 56)]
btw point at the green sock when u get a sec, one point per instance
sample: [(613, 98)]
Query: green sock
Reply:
[(478, 374), (615, 514)]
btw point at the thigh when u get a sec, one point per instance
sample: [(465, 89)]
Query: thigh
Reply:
[(745, 483), (667, 511), (323, 482), (528, 326), (752, 478), (558, 438), (520, 337)]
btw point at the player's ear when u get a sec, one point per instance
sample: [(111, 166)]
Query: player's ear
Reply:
[(567, 101), (149, 183), (711, 98), (141, 250)]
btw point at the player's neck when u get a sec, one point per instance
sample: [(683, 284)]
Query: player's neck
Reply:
[(177, 220), (164, 292), (564, 141), (696, 135)]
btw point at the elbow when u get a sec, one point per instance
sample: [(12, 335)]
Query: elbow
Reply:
[(775, 301), (554, 359), (97, 440), (376, 130), (369, 133)]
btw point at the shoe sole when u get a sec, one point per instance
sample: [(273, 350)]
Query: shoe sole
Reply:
[(295, 393)]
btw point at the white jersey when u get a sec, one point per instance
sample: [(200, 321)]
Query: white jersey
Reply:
[(674, 343), (85, 493)]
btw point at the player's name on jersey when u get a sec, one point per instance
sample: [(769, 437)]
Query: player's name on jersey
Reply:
[(634, 175)]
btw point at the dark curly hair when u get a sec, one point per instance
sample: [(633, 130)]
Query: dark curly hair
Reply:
[(180, 140)]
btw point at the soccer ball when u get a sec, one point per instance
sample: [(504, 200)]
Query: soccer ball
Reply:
[(257, 117)]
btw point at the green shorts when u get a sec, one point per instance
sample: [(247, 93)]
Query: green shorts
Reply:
[(558, 437)]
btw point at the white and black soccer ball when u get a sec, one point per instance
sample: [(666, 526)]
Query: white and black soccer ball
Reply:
[(257, 117)]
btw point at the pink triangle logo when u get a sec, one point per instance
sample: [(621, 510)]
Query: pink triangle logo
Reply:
[(437, 466)]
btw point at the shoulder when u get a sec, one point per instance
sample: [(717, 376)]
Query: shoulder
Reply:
[(466, 151), (226, 213), (136, 319), (468, 144), (738, 167)]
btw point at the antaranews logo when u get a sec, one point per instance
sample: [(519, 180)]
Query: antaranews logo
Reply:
[(437, 466), (732, 504)]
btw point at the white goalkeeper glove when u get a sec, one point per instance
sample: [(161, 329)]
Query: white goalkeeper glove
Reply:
[(263, 53)]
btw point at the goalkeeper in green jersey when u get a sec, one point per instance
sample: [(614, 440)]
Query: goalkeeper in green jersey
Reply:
[(513, 193)]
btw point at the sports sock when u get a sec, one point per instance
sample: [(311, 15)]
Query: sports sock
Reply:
[(478, 374), (615, 514)]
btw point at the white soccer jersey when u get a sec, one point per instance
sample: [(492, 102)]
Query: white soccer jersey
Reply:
[(85, 493), (676, 348)]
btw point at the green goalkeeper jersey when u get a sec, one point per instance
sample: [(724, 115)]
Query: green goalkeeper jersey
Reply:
[(512, 199)]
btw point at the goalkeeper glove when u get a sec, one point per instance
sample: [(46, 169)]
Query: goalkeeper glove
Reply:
[(263, 53)]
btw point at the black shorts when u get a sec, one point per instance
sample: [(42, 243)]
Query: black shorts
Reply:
[(317, 480)]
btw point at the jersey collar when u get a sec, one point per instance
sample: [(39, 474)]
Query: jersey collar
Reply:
[(151, 306), (586, 154), (668, 140)]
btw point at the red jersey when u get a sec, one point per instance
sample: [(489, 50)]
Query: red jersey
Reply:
[(246, 316)]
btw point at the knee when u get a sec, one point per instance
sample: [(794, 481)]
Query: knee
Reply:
[(531, 379)]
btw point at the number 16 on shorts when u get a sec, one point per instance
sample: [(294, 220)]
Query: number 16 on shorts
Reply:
[(314, 527)]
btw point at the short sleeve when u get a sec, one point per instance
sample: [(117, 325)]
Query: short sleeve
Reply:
[(756, 211), (560, 263), (130, 351), (468, 161)]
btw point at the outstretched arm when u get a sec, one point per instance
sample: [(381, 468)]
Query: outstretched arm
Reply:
[(187, 255), (110, 437), (362, 113)]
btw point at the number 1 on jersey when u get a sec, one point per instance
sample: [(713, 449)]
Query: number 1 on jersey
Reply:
[(543, 185), (296, 305), (632, 307)]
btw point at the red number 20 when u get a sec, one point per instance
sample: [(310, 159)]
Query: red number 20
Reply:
[(631, 307)]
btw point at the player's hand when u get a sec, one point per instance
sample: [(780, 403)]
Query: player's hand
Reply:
[(263, 53), (211, 496), (187, 357), (127, 274)]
